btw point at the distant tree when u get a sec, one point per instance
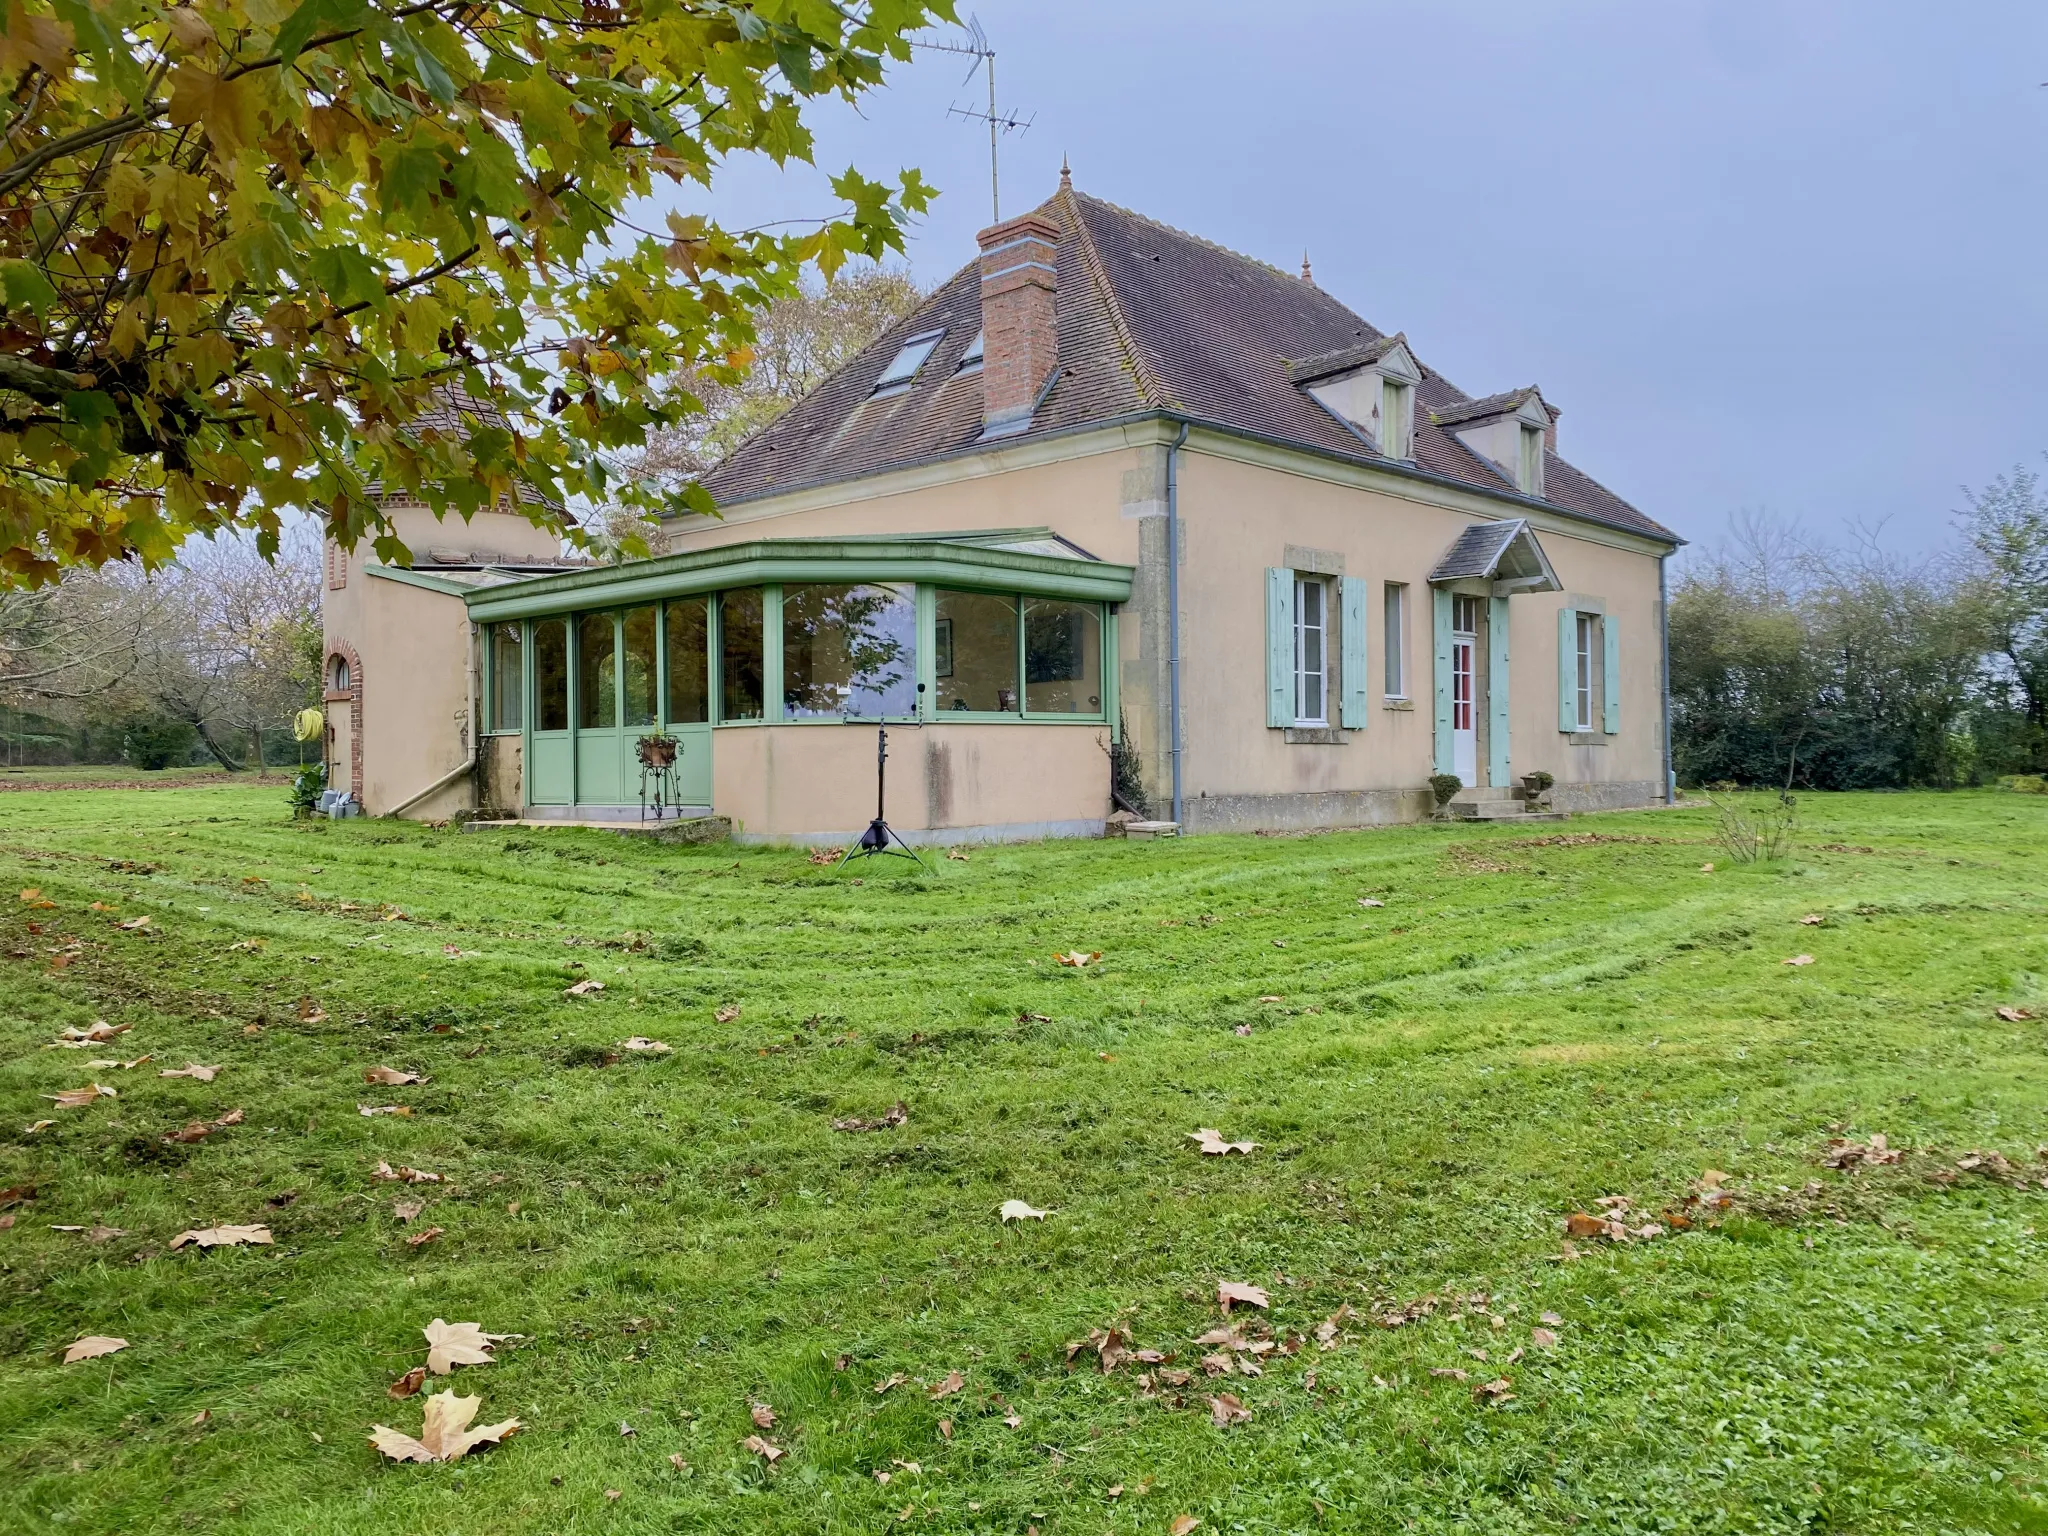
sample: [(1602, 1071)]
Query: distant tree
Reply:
[(248, 248), (2007, 526)]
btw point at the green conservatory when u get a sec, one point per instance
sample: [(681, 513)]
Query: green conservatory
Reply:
[(750, 659)]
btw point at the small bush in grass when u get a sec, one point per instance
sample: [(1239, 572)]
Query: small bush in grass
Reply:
[(1756, 828)]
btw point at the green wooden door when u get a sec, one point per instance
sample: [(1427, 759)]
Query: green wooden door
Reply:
[(550, 746), (686, 695)]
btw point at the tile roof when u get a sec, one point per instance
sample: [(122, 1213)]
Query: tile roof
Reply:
[(1151, 321), (1485, 407)]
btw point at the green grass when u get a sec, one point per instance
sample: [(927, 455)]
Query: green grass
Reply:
[(1522, 1028)]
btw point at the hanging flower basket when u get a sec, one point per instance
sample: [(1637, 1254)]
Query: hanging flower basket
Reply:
[(656, 751)]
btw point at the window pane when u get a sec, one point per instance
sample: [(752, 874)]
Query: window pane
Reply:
[(1062, 658), (739, 655), (1397, 625), (975, 651), (508, 677), (640, 666), (689, 665), (848, 650), (1308, 650), (551, 674), (597, 673), (904, 365)]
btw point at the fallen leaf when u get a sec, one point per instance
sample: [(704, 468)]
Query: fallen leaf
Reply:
[(96, 1233), (583, 988), (1279, 943), (1034, 1018), (408, 1384), (1812, 920), (898, 1114), (405, 1175), (232, 1117), (1017, 1210), (945, 1429), (822, 856), (1225, 1409), (1244, 1029), (311, 1012), (1328, 1329), (1367, 901), (405, 1210), (727, 1014), (1272, 997), (957, 855), (1584, 1224), (445, 1434), (37, 1128), (675, 1459), (1078, 959), (201, 1417), (420, 1238), (367, 1110), (1013, 1420), (99, 1033), (953, 1383), (1706, 869), (1239, 1292), (762, 1415), (1182, 1525), (453, 951), (642, 1043), (2014, 1015), (92, 1347), (1800, 960), (1543, 1338), (894, 1379), (627, 1431), (250, 945), (127, 1066), (1450, 1372), (1211, 1143), (135, 924), (1499, 1390), (765, 1450), (391, 1077), (222, 1237), (1551, 1318), (612, 1495), (193, 1070), (1847, 1154), (78, 1098)]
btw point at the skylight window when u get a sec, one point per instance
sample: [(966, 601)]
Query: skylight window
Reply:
[(971, 358), (908, 359)]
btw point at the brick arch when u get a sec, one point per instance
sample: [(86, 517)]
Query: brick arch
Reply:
[(354, 696)]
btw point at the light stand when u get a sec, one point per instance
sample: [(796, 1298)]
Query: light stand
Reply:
[(880, 834)]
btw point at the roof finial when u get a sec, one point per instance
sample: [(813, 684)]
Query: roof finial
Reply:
[(1306, 275), (1066, 174)]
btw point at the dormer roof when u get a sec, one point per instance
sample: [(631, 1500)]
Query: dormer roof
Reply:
[(1527, 403), (1389, 354)]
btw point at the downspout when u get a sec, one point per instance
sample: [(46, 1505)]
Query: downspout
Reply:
[(1173, 617), (468, 764), (1664, 669)]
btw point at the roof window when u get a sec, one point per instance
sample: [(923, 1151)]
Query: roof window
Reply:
[(908, 359), (971, 358)]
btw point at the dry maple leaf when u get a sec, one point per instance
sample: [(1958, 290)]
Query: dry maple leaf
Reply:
[(1583, 1224), (894, 1379), (762, 1415), (1239, 1292), (404, 1175), (1543, 1338), (1812, 920), (1225, 1409), (420, 1238), (1328, 1329), (445, 1434), (407, 1384), (2014, 1015), (1847, 1154), (897, 1115), (1499, 1390), (1210, 1142), (583, 988), (1183, 1525), (675, 1459), (1017, 1210), (642, 1043), (135, 924), (1799, 960), (92, 1347), (311, 1012), (405, 1210), (222, 1237), (97, 1034), (383, 1109), (124, 1066), (953, 1382), (391, 1077), (764, 1449), (1078, 959), (78, 1098), (1551, 1318), (193, 1070), (727, 1014), (1450, 1372)]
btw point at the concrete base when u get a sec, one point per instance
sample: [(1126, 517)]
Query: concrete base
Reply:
[(590, 814), (1625, 796), (1304, 812), (936, 837), (695, 829)]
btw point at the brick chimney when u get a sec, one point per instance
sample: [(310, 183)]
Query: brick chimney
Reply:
[(1550, 432), (1019, 319)]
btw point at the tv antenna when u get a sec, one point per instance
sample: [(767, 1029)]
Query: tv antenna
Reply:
[(975, 45)]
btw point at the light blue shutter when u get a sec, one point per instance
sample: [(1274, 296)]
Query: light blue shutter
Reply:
[(1497, 691), (1567, 669), (1610, 676), (1279, 647), (1356, 657), (1446, 756)]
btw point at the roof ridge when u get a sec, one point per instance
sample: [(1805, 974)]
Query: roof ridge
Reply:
[(1196, 239), (1149, 390)]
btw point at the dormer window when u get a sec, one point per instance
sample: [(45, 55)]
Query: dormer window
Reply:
[(1370, 388), (1511, 432), (908, 359), (1397, 418), (971, 358), (1529, 475)]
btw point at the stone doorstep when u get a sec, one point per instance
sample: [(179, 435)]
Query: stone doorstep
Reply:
[(690, 829), (1144, 831)]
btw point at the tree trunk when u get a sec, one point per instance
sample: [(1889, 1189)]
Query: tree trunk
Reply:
[(220, 753)]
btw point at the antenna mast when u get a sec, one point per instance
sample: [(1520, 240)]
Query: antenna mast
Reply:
[(977, 47)]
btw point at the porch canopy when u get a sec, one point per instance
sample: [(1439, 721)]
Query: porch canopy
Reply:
[(1505, 554), (1011, 625), (1485, 566)]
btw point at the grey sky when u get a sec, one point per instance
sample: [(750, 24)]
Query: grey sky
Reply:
[(1776, 254)]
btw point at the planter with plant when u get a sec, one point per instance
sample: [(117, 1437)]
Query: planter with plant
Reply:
[(656, 750), (1442, 786), (307, 786)]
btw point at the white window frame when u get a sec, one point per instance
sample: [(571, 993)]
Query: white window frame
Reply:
[(902, 369), (1587, 640), (1311, 684), (1394, 597)]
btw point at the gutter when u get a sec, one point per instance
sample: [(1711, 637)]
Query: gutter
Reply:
[(1664, 678), (468, 764), (1173, 613)]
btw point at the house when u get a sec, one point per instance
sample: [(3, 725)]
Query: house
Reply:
[(1115, 512)]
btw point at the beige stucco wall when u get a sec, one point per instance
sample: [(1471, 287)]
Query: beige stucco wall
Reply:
[(946, 783)]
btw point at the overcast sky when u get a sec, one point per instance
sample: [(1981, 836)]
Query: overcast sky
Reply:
[(1788, 255)]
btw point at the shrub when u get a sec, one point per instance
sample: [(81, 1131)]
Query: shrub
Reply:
[(307, 787), (1754, 828), (1443, 786), (2024, 783), (154, 742)]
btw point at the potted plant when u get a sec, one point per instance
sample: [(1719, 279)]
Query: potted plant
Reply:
[(1442, 786), (656, 750), (1536, 785), (307, 786)]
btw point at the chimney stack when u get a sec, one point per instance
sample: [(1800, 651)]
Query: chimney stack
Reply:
[(1019, 319)]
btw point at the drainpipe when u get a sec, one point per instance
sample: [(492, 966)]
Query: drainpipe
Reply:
[(468, 764), (1173, 616), (1664, 668)]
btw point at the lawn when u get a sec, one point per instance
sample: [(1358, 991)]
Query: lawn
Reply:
[(1444, 1041)]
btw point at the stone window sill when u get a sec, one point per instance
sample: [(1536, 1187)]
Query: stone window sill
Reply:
[(337, 696), (1585, 738), (1314, 736), (1390, 702)]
